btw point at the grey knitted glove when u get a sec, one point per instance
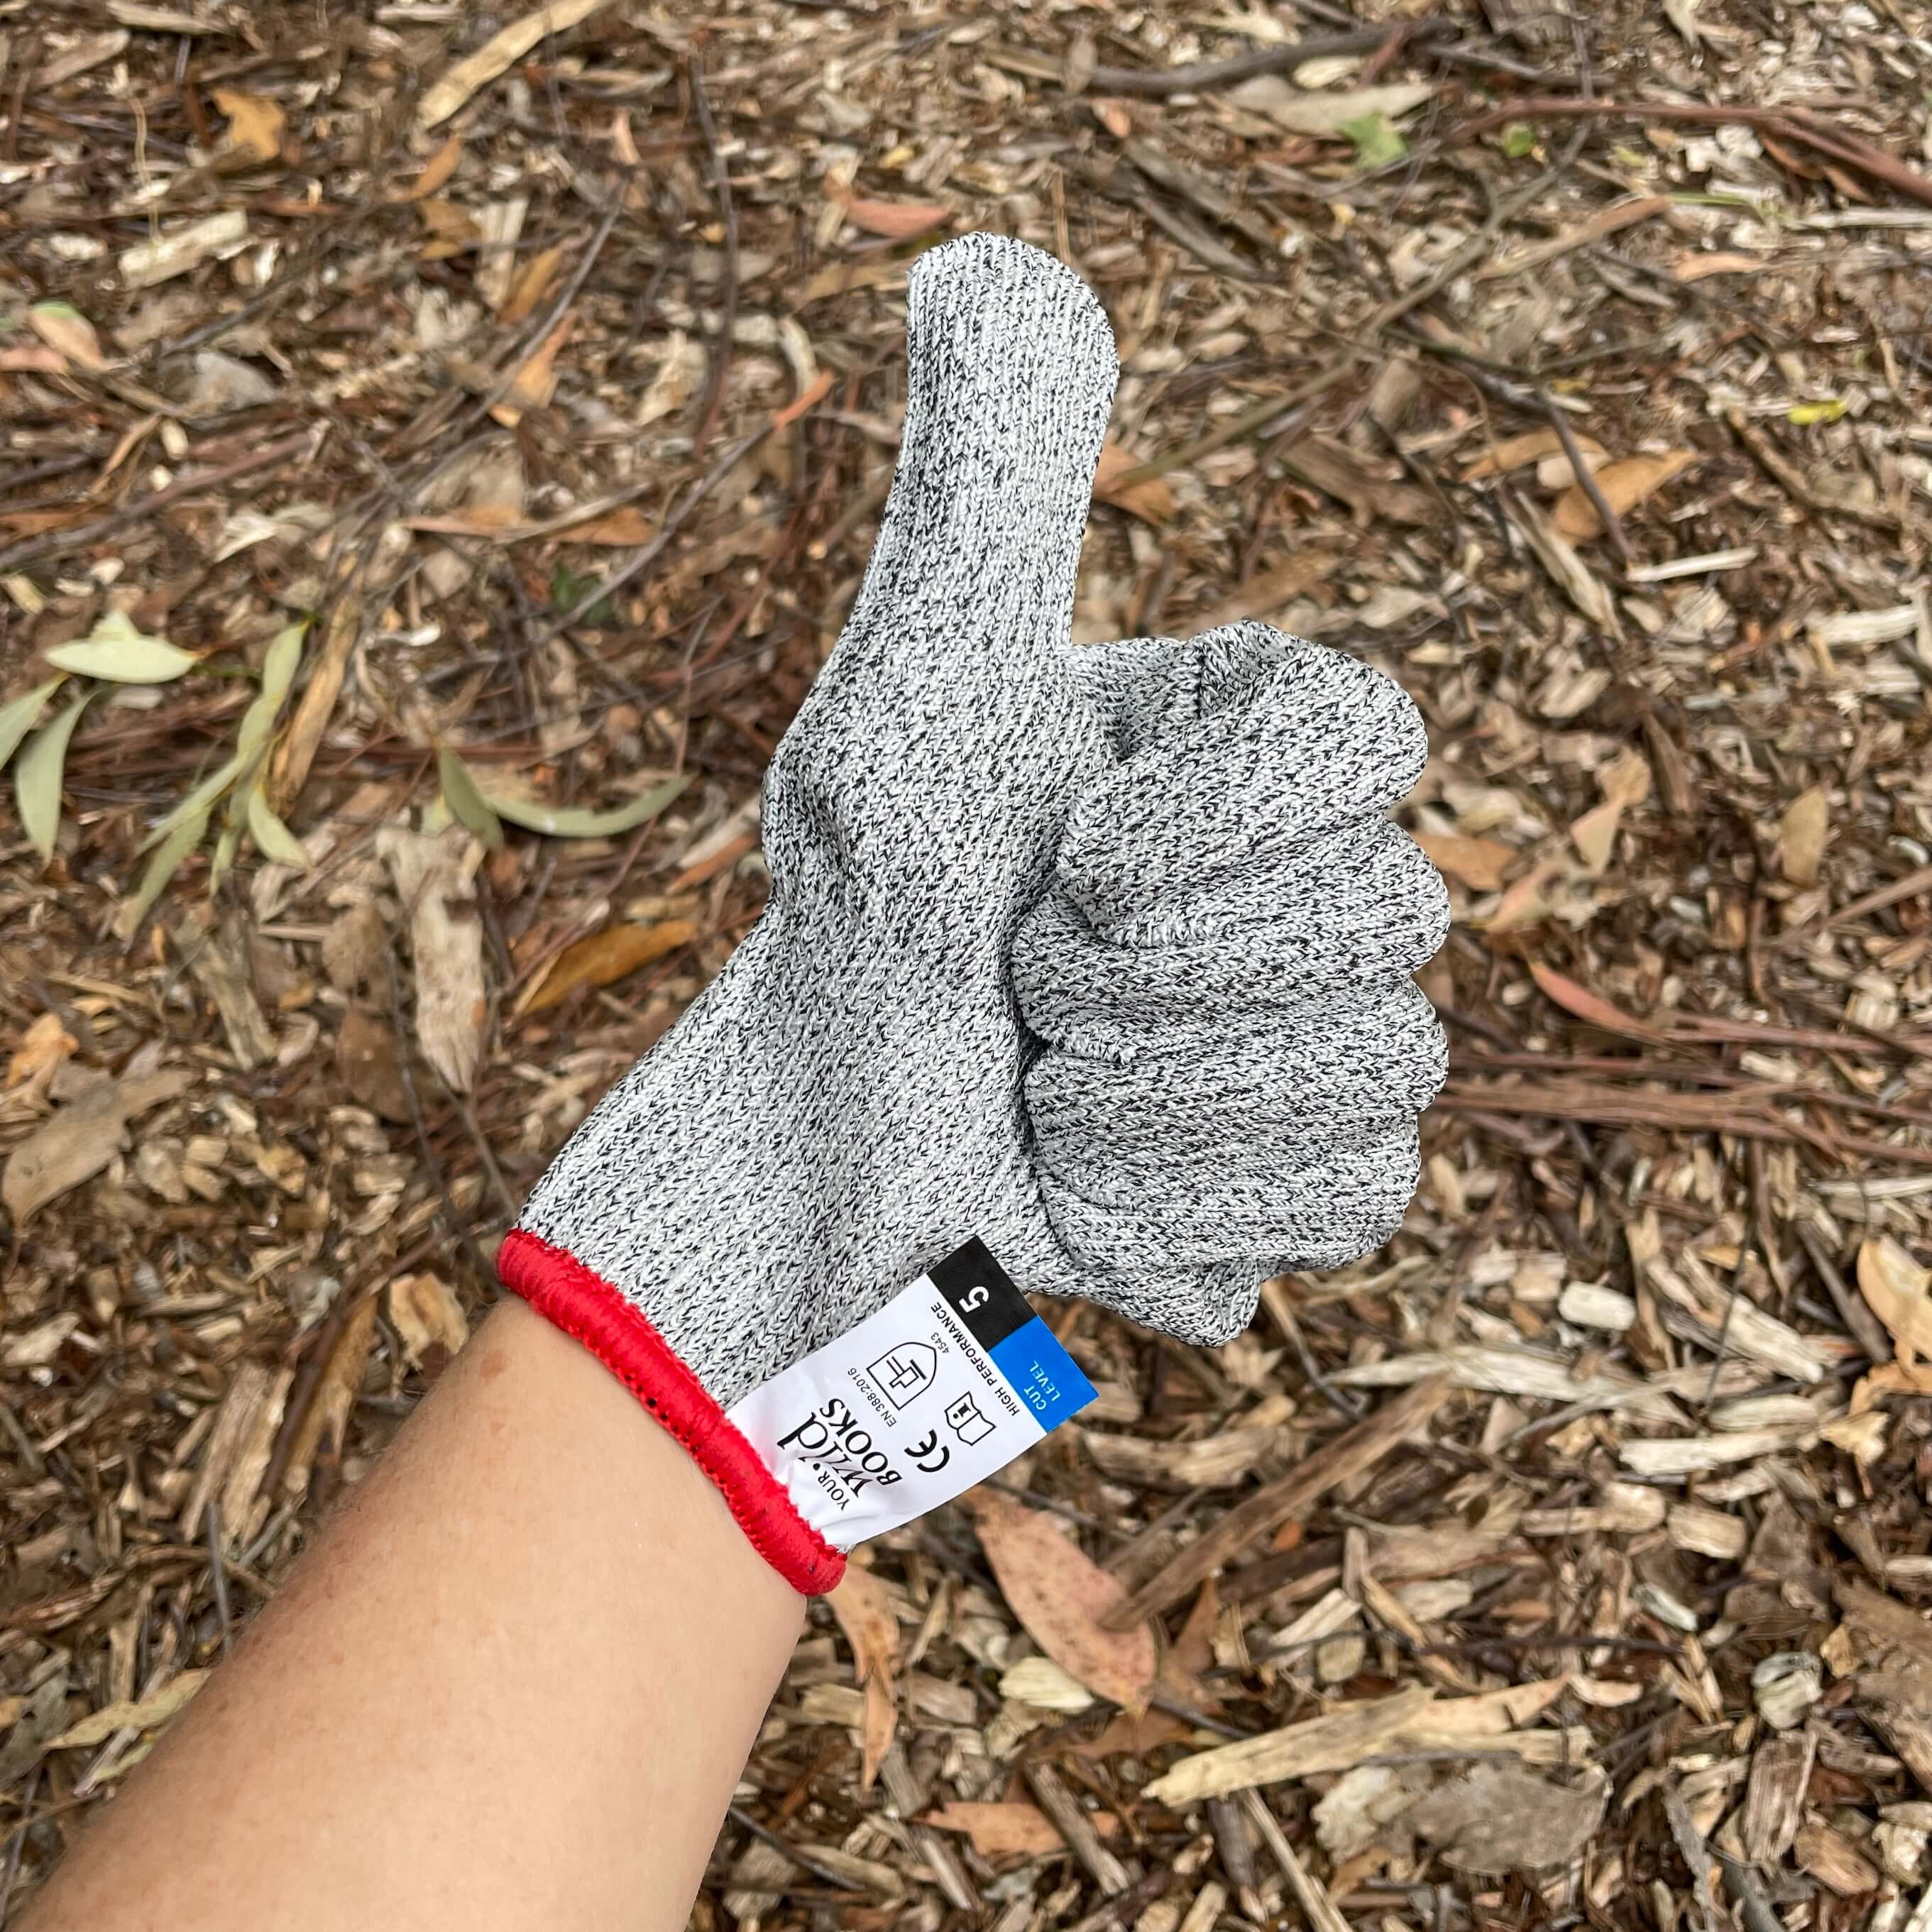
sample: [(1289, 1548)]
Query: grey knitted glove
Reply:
[(1102, 956)]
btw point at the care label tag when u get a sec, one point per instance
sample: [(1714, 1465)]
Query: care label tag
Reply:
[(950, 1381)]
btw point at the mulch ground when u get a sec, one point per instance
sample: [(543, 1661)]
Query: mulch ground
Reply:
[(419, 425)]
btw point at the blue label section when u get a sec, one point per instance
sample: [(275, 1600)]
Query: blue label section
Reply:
[(1045, 1377)]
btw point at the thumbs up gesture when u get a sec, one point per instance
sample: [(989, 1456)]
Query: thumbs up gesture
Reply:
[(1101, 954)]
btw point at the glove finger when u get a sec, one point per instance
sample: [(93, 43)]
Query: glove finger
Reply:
[(1302, 741), (1362, 909), (1317, 1201), (1011, 369), (1144, 689), (1284, 1089)]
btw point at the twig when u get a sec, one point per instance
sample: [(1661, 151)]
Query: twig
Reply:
[(1077, 1828), (1781, 472), (642, 560), (458, 1227), (1867, 1330), (1798, 124), (1310, 1894), (727, 316), (1695, 1853), (1613, 527), (802, 1859), (1910, 886), (58, 543), (1352, 1453)]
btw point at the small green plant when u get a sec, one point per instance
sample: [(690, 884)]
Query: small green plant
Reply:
[(1378, 140), (115, 652)]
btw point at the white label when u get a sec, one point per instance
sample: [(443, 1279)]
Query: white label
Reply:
[(948, 1382)]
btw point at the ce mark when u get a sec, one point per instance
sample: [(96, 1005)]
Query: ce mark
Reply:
[(929, 1445)]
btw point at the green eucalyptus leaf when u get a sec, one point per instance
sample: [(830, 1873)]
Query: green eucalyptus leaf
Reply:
[(273, 839), (37, 775), (465, 799), (200, 800), (18, 718), (115, 650), (278, 673), (159, 869), (564, 821), (226, 844)]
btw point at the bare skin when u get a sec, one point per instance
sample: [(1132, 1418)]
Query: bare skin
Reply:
[(513, 1686)]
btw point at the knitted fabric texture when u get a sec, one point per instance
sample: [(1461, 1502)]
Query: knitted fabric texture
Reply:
[(1101, 954)]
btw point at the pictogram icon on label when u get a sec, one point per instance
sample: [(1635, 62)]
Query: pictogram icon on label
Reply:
[(905, 1371), (947, 1383)]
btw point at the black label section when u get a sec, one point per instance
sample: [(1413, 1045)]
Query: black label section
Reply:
[(980, 1294)]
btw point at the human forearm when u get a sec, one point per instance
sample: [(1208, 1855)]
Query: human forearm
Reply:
[(537, 1630)]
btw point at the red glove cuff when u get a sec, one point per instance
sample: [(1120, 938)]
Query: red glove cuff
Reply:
[(587, 1308)]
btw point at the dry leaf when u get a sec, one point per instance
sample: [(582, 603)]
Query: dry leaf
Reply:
[(335, 1393), (436, 171), (535, 382), (897, 221), (807, 398), (1594, 834), (425, 1314), (1624, 486), (1301, 112), (1500, 1818), (42, 1047), (530, 285), (1004, 1830), (1151, 500), (619, 528), (604, 958), (1514, 452), (1061, 1596), (64, 329), (132, 1714), (255, 125), (83, 1137), (1477, 863), (1802, 835), (1012, 1829), (864, 1608), (1587, 1006), (1693, 267), (1894, 1287), (446, 943)]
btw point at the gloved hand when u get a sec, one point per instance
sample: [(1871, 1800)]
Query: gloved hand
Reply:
[(1100, 955)]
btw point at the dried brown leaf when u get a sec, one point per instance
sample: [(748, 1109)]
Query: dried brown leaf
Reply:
[(255, 124), (79, 1140), (605, 958), (1586, 1005), (1060, 1595), (1002, 1830), (531, 283), (1150, 500), (436, 171), (1477, 863), (897, 221), (864, 1608), (1895, 1286), (1624, 486), (45, 1044)]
